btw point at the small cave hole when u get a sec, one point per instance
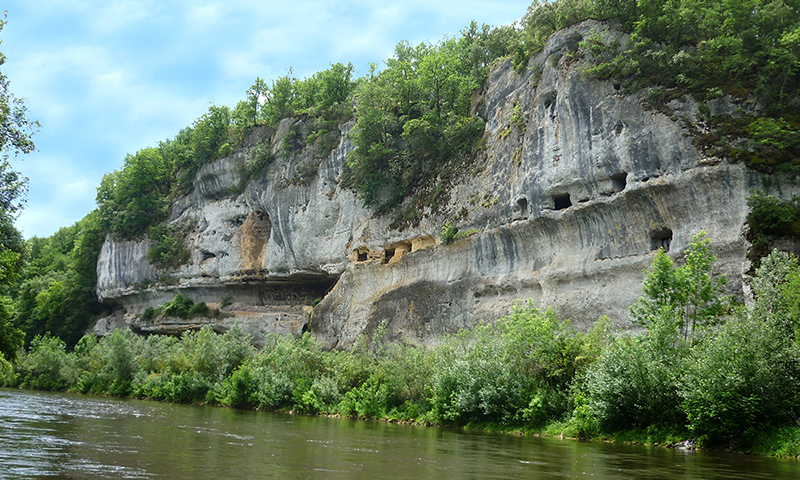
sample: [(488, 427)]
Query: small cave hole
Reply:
[(619, 181), (207, 256), (661, 239), (617, 86), (388, 254), (618, 128), (521, 207), (560, 202), (573, 42), (549, 99), (361, 256)]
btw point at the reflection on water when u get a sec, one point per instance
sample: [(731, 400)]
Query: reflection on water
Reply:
[(51, 435)]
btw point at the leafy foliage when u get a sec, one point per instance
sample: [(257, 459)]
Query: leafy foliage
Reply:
[(55, 293), (770, 218), (449, 233), (687, 294), (136, 197), (182, 307), (725, 385), (634, 384), (11, 338), (168, 250), (178, 307), (15, 139), (741, 380), (413, 118)]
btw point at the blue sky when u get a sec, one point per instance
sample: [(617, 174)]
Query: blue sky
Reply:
[(108, 78)]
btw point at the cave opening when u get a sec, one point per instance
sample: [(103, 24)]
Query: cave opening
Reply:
[(388, 254), (521, 207), (361, 256), (661, 239), (619, 181), (561, 202)]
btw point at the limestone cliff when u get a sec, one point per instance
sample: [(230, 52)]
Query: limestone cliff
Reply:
[(578, 186)]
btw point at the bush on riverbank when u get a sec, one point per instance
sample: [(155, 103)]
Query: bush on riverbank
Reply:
[(735, 384)]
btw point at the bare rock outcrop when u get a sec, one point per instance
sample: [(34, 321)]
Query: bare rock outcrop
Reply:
[(578, 187)]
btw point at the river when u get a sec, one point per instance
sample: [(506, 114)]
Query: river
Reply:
[(67, 436)]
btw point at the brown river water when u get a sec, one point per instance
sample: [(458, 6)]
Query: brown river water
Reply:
[(67, 436)]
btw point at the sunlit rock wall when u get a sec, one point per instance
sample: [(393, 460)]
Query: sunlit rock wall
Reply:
[(578, 186)]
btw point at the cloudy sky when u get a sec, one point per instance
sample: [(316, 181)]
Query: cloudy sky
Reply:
[(108, 78)]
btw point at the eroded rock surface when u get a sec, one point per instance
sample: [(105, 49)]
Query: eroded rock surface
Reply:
[(568, 208)]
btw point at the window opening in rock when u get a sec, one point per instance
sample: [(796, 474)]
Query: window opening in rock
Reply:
[(617, 86), (661, 239), (549, 99), (561, 202), (619, 181), (362, 256), (521, 208), (388, 254)]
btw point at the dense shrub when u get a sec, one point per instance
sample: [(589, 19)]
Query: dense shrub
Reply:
[(413, 120), (519, 370), (728, 383), (634, 383), (770, 218), (56, 292), (741, 379), (178, 307), (167, 250), (449, 233), (47, 366)]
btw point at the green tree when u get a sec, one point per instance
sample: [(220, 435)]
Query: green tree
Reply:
[(168, 250), (743, 378), (689, 293), (12, 250), (279, 100), (776, 288), (210, 133), (15, 138), (770, 217), (11, 338), (56, 289), (132, 199), (413, 118)]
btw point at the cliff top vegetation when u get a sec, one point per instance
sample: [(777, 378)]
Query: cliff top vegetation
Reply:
[(415, 126)]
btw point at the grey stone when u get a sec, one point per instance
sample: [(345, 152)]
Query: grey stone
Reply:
[(568, 212)]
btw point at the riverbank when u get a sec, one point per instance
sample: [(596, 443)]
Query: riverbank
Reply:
[(59, 435), (729, 381)]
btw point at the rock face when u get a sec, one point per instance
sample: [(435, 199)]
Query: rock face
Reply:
[(579, 186)]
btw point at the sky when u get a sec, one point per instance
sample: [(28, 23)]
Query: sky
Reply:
[(107, 78)]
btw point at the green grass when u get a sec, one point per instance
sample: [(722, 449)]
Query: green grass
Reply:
[(780, 442)]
